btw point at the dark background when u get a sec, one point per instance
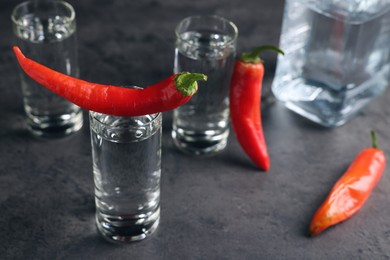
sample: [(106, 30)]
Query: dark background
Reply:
[(220, 207)]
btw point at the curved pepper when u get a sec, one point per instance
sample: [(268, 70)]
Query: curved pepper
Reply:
[(352, 190), (166, 95), (245, 105)]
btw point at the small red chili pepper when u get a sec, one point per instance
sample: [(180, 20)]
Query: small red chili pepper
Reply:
[(245, 105), (166, 95), (352, 190)]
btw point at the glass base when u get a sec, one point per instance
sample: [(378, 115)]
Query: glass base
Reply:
[(127, 228), (326, 121), (205, 144), (55, 126)]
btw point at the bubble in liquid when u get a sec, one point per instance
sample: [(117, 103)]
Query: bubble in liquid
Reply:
[(138, 134)]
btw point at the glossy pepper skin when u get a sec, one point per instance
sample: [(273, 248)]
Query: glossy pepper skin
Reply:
[(245, 105), (166, 95), (352, 190)]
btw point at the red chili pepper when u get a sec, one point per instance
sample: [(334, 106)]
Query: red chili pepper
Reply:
[(245, 105), (352, 190), (166, 95)]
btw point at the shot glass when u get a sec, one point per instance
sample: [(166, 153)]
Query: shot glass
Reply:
[(204, 44), (45, 32), (126, 153)]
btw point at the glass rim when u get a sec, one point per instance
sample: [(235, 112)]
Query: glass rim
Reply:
[(220, 18), (17, 22), (154, 116)]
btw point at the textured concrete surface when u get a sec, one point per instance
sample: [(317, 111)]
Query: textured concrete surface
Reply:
[(212, 208)]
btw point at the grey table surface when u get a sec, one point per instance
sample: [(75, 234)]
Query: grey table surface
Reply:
[(219, 207)]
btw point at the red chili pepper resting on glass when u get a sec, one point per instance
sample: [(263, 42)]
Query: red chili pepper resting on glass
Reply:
[(166, 95), (245, 105), (352, 190)]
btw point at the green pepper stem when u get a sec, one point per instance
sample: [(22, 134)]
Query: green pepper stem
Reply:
[(253, 56), (374, 139), (186, 82)]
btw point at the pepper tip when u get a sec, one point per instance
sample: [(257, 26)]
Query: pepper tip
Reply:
[(18, 52)]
